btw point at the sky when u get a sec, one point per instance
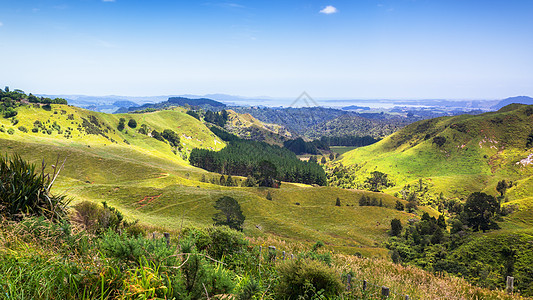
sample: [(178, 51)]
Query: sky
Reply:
[(358, 49)]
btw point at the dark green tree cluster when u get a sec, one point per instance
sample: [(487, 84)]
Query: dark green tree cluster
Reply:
[(347, 140), (217, 118), (265, 163), (18, 96), (299, 146), (439, 141), (132, 123), (449, 246), (157, 135), (529, 141), (194, 114), (370, 201), (224, 135), (172, 137), (121, 124)]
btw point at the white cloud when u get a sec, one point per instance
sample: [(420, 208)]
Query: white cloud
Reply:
[(328, 10)]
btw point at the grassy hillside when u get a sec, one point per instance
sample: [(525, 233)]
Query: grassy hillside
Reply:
[(149, 180), (247, 127), (476, 152), (145, 179)]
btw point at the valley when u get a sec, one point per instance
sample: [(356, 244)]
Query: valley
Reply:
[(142, 164)]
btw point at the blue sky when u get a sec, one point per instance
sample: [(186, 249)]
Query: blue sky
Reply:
[(360, 49)]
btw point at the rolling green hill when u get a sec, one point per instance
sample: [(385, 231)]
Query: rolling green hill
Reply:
[(458, 154), (149, 180)]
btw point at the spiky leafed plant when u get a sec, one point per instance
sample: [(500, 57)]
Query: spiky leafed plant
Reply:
[(26, 191)]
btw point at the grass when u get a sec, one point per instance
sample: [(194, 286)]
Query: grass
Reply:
[(341, 149), (148, 182), (479, 151), (39, 261)]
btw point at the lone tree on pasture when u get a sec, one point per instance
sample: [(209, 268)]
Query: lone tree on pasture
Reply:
[(502, 187), (378, 180), (230, 213), (132, 123)]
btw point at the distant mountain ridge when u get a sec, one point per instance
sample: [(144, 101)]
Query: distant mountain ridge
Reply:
[(518, 99), (176, 101)]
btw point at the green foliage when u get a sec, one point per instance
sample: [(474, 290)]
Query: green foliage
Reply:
[(218, 118), (264, 162), (399, 205), (9, 112), (316, 122), (480, 210), (26, 191), (378, 180), (98, 219), (11, 131), (304, 279), (156, 135), (193, 114), (338, 202), (502, 187), (144, 129), (230, 213), (347, 140), (132, 123), (249, 289), (224, 135), (439, 141), (172, 137), (38, 277), (218, 241), (369, 201), (135, 250), (121, 123), (529, 141), (395, 227), (299, 146), (269, 196)]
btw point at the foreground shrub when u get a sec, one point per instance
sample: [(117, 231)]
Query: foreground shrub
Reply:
[(25, 191), (97, 219), (218, 241), (300, 279), (135, 250)]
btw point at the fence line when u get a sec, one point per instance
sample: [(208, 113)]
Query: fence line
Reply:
[(385, 291)]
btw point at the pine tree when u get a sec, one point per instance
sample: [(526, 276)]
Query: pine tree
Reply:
[(338, 202)]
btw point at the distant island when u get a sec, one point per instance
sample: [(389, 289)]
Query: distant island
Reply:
[(355, 107)]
